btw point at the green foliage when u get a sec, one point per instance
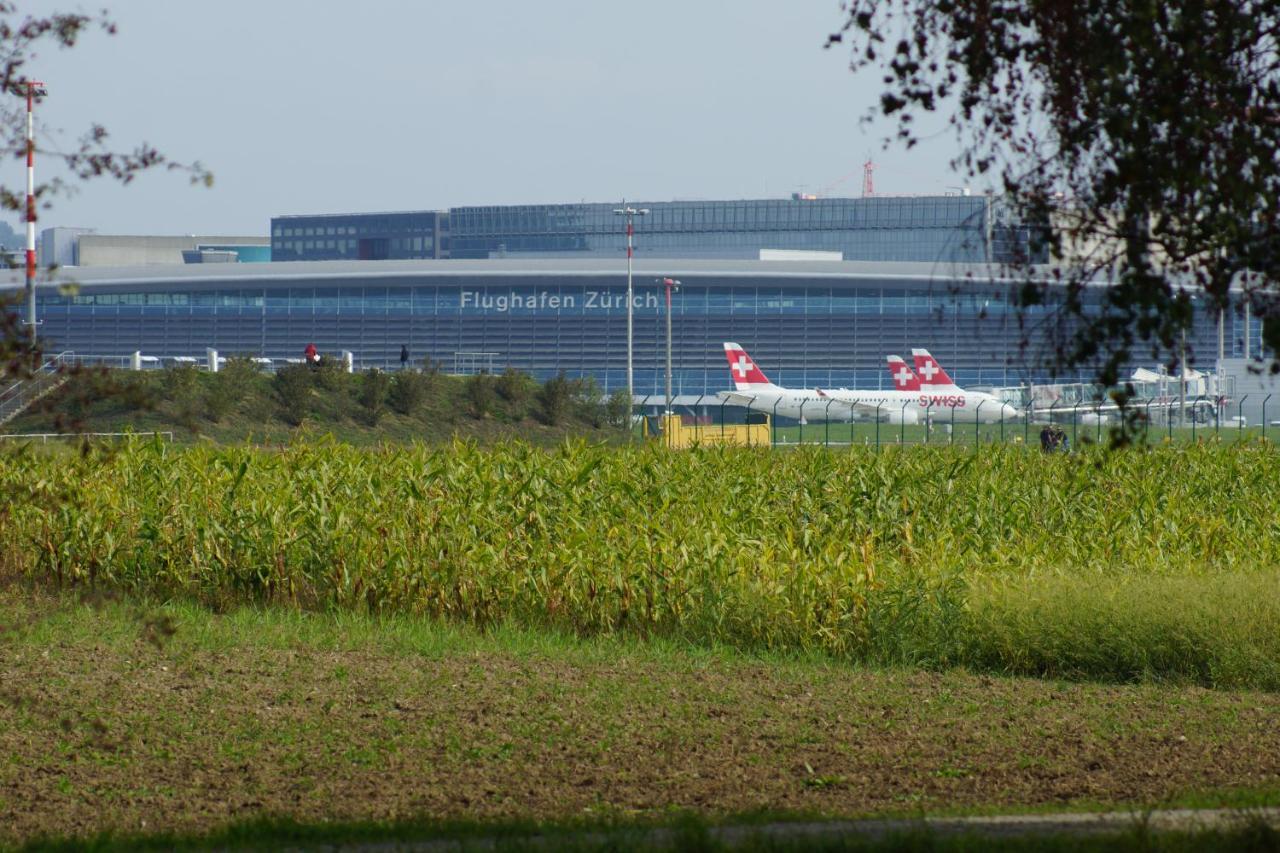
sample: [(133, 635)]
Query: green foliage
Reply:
[(516, 387), (294, 387), (1162, 563), (409, 391), (616, 408), (375, 387), (331, 375), (1162, 136), (479, 392), (181, 382), (555, 398), (230, 386)]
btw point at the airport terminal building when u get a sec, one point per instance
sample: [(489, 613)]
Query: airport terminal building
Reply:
[(807, 323), (946, 229)]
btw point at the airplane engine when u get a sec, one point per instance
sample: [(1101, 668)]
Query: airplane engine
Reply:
[(909, 416)]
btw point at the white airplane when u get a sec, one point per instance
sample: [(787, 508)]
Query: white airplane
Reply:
[(754, 390), (934, 379), (913, 399)]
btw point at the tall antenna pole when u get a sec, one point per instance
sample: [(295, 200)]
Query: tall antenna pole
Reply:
[(629, 212), (33, 88), (868, 185)]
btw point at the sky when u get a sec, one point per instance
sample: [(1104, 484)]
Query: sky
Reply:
[(311, 107)]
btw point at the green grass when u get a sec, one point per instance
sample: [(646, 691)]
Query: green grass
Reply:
[(266, 726), (1148, 564)]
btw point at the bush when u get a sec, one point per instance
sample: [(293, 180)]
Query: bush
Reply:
[(229, 387), (294, 385), (616, 408), (409, 391), (180, 382), (375, 386), (516, 388), (587, 403), (480, 395), (555, 398), (331, 374)]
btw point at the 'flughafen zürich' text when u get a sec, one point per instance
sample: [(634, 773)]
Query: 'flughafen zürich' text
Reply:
[(591, 300)]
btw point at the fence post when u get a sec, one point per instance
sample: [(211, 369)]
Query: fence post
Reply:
[(951, 433), (802, 402), (1195, 405), (1240, 417), (1026, 427), (773, 424), (1097, 417), (902, 424), (1264, 415), (722, 405), (697, 427), (977, 424), (878, 406), (1146, 430), (1075, 426), (748, 416), (827, 415)]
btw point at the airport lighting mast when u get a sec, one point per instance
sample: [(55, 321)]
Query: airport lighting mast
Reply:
[(671, 284), (629, 212), (34, 89)]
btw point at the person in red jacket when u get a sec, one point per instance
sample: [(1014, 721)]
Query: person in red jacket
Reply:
[(311, 354)]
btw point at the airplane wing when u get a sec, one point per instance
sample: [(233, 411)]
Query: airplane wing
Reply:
[(737, 398)]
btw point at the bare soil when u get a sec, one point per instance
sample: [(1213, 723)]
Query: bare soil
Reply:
[(160, 732)]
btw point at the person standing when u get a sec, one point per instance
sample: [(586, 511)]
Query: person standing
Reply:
[(404, 356), (311, 354)]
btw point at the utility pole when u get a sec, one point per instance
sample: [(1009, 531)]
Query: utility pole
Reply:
[(671, 284), (34, 88), (630, 213)]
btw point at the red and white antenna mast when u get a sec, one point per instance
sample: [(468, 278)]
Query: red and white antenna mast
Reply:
[(868, 185), (34, 88)]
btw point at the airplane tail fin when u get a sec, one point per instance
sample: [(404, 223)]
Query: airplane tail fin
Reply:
[(903, 378), (930, 372), (743, 370)]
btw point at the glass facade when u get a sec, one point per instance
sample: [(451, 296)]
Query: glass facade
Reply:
[(358, 236), (806, 330), (935, 228), (930, 229)]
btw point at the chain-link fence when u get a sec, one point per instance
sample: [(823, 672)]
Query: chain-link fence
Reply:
[(711, 419)]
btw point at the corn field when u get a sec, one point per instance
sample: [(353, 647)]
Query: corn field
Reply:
[(1146, 563)]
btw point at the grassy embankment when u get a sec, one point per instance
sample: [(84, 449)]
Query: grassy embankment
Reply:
[(1121, 566), (241, 403)]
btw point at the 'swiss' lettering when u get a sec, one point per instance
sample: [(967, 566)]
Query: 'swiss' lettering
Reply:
[(951, 401)]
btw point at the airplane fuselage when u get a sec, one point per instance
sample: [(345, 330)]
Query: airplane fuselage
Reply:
[(936, 405)]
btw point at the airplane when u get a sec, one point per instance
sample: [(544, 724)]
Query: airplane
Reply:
[(934, 379), (907, 403), (913, 399), (753, 390)]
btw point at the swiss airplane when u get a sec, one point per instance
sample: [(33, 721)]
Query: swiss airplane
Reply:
[(754, 390), (909, 402), (930, 394)]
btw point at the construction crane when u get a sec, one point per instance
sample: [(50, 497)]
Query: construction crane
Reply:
[(868, 183)]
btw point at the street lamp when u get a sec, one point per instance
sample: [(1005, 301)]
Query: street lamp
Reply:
[(629, 212), (671, 284)]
